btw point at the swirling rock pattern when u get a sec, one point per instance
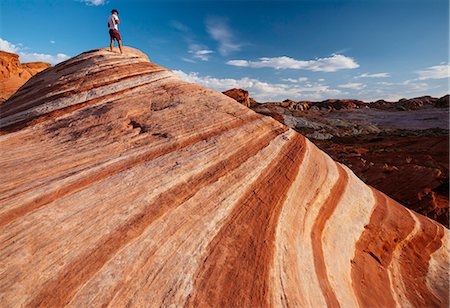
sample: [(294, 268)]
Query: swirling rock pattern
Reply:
[(123, 185)]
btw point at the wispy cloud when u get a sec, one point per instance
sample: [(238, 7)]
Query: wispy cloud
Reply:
[(329, 64), (392, 91), (261, 90), (376, 75), (31, 56), (189, 60), (352, 86), (180, 27), (296, 80), (94, 2), (219, 30), (198, 51), (434, 72)]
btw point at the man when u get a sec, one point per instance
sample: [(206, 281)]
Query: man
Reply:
[(113, 22)]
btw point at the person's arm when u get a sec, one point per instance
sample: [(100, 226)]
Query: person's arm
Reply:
[(117, 20)]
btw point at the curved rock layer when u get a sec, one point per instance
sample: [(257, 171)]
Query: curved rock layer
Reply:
[(122, 185)]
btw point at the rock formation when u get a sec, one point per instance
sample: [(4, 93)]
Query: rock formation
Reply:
[(123, 185), (240, 96), (412, 103), (13, 74), (348, 104), (442, 102), (410, 168), (409, 136)]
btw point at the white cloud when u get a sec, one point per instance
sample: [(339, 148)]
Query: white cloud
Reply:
[(376, 75), (352, 86), (189, 60), (297, 80), (40, 57), (31, 56), (329, 64), (8, 47), (434, 72), (219, 30), (393, 91), (52, 42), (260, 90), (95, 2), (198, 53)]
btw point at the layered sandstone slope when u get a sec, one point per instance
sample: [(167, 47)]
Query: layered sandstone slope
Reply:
[(14, 74), (122, 185)]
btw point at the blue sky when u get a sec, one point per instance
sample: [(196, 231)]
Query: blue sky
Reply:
[(311, 50)]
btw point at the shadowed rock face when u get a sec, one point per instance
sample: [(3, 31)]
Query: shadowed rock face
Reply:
[(123, 185), (14, 74)]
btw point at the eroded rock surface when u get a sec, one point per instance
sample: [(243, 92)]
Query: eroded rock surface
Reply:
[(240, 96), (400, 148), (14, 74), (123, 185), (411, 168)]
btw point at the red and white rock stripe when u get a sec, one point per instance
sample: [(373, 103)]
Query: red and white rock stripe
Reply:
[(122, 185)]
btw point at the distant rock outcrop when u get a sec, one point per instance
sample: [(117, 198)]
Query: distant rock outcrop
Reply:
[(241, 96), (348, 104), (411, 168), (338, 104), (14, 74), (124, 186), (412, 103), (442, 102), (329, 104)]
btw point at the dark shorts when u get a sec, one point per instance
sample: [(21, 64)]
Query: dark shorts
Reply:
[(114, 34)]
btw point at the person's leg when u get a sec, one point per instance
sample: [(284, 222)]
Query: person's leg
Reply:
[(120, 45), (111, 44)]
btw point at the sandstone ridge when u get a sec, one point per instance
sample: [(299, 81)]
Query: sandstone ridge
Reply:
[(14, 74), (122, 185)]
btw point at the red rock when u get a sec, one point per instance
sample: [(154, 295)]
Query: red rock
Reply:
[(442, 102), (338, 104), (13, 74), (241, 96), (410, 104), (124, 186), (410, 169)]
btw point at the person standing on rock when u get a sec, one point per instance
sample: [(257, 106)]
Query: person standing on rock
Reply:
[(113, 22)]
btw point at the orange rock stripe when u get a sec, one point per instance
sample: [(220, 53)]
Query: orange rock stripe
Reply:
[(26, 89), (81, 59), (423, 244), (117, 168), (325, 213), (121, 71), (17, 106), (63, 111), (388, 226), (235, 272), (59, 291)]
